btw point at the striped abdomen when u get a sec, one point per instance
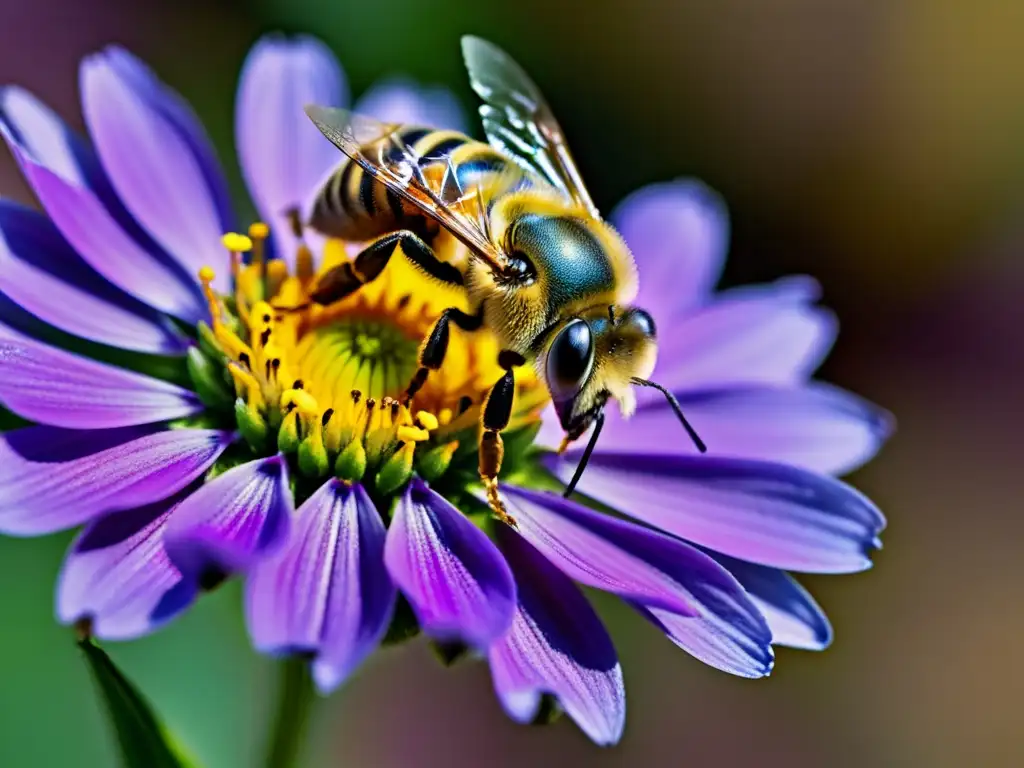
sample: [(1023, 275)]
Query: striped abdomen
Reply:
[(352, 205)]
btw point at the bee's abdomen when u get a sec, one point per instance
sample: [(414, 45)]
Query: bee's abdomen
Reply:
[(352, 205)]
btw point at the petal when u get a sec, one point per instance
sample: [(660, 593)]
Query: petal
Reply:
[(692, 598), (768, 335), (400, 100), (557, 645), (679, 234), (818, 427), (327, 591), (52, 478), (118, 576), (766, 513), (233, 520), (153, 164), (283, 155), (794, 617), (42, 274), (51, 386), (454, 577), (65, 176)]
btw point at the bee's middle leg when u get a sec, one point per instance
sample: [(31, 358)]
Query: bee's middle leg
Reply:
[(497, 413), (347, 278), (434, 349)]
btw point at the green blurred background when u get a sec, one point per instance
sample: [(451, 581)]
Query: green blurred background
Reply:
[(877, 144)]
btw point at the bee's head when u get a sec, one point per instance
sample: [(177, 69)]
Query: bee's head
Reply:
[(596, 356)]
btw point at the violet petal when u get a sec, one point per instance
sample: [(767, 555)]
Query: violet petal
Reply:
[(232, 521), (767, 513), (454, 577), (557, 645), (53, 478)]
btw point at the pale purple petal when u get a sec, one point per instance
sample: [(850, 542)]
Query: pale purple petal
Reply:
[(327, 591), (51, 386), (400, 100), (558, 646), (794, 617), (53, 478), (454, 577), (818, 427), (283, 155), (679, 233), (233, 520), (67, 179), (152, 163), (42, 274), (699, 604), (117, 575), (768, 335), (763, 512)]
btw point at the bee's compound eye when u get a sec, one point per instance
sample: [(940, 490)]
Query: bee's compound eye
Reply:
[(643, 322), (570, 359)]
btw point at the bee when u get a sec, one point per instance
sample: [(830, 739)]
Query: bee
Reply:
[(543, 271)]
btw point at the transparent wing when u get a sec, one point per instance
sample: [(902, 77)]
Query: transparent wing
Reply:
[(519, 122), (430, 183)]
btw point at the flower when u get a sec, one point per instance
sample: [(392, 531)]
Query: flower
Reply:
[(210, 421)]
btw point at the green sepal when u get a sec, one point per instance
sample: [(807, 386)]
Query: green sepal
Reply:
[(313, 458), (396, 472), (208, 342), (288, 433), (251, 425), (403, 624), (142, 740), (435, 462), (208, 379), (350, 465), (548, 712)]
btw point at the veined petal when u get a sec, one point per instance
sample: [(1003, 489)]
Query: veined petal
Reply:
[(454, 577), (400, 100), (679, 234), (152, 162), (327, 591), (233, 520), (283, 155), (699, 604), (67, 179), (763, 512), (794, 617), (52, 478), (118, 576), (557, 645), (51, 386), (42, 274), (764, 335), (816, 426)]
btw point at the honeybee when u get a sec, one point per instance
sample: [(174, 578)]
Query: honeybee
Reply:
[(545, 273)]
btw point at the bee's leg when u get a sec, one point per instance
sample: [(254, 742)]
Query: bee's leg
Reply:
[(497, 412), (436, 346), (347, 278)]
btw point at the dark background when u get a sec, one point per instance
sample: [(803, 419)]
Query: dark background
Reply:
[(878, 145)]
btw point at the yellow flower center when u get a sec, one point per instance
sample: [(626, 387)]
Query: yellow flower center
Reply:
[(328, 383)]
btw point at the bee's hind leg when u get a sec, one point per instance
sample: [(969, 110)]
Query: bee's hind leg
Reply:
[(497, 413), (435, 348)]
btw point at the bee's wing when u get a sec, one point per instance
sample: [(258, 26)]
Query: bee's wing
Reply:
[(519, 122), (378, 148)]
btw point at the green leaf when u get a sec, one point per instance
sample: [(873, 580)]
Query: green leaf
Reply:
[(142, 739)]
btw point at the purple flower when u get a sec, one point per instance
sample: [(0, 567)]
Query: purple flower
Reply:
[(202, 432)]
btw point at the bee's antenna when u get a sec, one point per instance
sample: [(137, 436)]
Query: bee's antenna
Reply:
[(598, 423), (678, 410)]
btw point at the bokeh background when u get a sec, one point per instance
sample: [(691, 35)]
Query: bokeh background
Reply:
[(877, 144)]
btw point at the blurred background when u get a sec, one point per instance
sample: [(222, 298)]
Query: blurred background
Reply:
[(878, 145)]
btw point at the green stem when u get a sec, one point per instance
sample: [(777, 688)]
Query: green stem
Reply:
[(295, 697)]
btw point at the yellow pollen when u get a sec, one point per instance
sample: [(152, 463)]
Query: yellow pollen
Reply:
[(259, 231), (236, 243), (412, 434)]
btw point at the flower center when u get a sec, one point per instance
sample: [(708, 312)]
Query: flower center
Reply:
[(327, 384)]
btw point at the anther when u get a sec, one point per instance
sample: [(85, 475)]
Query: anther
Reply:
[(327, 416), (265, 337), (464, 403), (370, 403), (356, 394), (298, 384)]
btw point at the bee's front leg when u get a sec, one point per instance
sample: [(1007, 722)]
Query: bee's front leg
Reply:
[(497, 413)]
